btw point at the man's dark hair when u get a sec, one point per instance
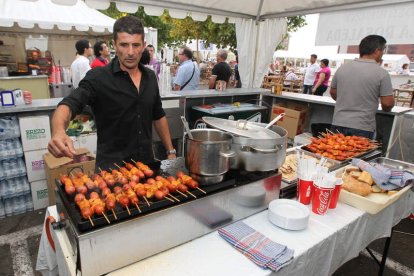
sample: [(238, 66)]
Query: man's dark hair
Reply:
[(371, 43), (188, 53), (97, 48), (145, 58), (325, 61), (81, 45), (314, 56), (128, 24), (150, 46)]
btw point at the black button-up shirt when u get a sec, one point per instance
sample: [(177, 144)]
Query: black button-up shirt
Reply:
[(123, 115)]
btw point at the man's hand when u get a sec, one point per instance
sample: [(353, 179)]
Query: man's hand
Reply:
[(171, 156), (61, 145)]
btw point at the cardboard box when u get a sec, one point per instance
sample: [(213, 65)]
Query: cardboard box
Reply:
[(40, 194), (57, 166), (295, 118), (88, 141), (35, 165), (35, 132)]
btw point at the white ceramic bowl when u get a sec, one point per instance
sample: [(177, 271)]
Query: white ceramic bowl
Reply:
[(288, 214)]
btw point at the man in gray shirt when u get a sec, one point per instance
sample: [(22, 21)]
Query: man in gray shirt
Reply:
[(358, 87)]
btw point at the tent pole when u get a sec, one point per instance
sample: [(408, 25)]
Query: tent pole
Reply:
[(259, 12)]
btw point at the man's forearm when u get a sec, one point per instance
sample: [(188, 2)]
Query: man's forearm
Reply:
[(60, 119)]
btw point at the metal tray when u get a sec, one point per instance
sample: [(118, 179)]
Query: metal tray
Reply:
[(361, 155), (394, 164), (122, 214)]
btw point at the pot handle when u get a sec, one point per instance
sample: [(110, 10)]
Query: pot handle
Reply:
[(253, 149), (228, 154)]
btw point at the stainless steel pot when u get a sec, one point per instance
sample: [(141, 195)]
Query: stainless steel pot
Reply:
[(208, 154), (260, 154)]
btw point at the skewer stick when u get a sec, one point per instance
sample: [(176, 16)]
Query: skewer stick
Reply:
[(93, 225), (129, 212), (169, 199), (100, 169), (107, 220), (146, 200), (201, 190), (124, 162), (113, 212), (174, 197), (328, 130), (133, 160), (117, 165), (181, 193), (138, 208), (191, 194)]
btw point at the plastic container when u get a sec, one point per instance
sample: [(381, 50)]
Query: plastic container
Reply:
[(8, 207), (2, 211), (29, 202)]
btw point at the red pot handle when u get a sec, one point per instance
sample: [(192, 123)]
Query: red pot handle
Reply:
[(49, 220)]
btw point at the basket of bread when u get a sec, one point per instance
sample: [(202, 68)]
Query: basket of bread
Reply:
[(371, 188)]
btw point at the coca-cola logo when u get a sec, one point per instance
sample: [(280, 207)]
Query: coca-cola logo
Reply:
[(323, 202)]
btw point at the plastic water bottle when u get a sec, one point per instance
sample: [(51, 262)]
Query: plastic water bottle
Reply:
[(8, 207), (2, 211), (29, 202)]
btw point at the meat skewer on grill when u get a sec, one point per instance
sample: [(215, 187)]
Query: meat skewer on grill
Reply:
[(98, 205), (84, 207), (110, 200), (122, 198)]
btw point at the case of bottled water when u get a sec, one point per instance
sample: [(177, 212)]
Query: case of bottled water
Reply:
[(9, 127)]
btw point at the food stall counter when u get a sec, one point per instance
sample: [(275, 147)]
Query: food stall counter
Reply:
[(320, 249), (38, 85)]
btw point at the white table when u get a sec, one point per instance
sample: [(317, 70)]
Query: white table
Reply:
[(327, 243)]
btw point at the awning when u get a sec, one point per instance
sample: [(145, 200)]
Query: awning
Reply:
[(25, 16)]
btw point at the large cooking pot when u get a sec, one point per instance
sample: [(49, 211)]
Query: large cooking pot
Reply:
[(257, 148), (208, 154), (260, 154)]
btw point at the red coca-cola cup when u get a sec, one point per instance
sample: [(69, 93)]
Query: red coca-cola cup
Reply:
[(27, 97), (320, 199), (335, 195), (304, 191)]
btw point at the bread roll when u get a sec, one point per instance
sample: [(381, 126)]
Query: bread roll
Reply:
[(357, 187), (366, 177), (355, 174), (376, 189)]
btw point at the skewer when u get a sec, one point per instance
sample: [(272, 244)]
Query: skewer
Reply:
[(174, 197), (117, 165), (133, 160), (181, 193), (201, 190), (100, 169), (129, 212), (146, 200), (124, 162), (328, 130), (106, 218), (191, 194), (169, 199), (113, 212), (93, 225), (138, 208)]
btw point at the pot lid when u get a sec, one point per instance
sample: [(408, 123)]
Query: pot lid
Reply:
[(241, 128)]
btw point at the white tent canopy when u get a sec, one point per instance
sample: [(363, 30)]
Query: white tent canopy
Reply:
[(23, 16), (259, 23)]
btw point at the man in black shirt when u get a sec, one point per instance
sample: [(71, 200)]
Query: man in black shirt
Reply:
[(221, 71), (125, 100)]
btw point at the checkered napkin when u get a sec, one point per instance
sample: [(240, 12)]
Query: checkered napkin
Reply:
[(258, 248), (386, 178)]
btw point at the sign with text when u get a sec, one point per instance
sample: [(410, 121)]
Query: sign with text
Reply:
[(393, 22)]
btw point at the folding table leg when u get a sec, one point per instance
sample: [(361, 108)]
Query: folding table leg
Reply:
[(385, 253)]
